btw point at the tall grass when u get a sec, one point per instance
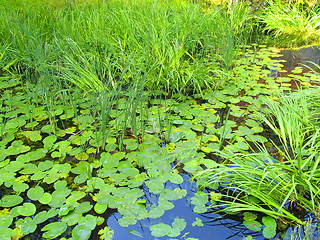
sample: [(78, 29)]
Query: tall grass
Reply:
[(290, 24), (286, 186), (180, 41)]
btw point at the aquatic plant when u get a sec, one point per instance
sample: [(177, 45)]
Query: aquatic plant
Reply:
[(284, 187), (290, 24)]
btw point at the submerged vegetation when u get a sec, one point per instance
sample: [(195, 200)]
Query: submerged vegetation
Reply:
[(105, 104)]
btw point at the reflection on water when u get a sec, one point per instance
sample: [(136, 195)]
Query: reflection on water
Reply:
[(215, 226)]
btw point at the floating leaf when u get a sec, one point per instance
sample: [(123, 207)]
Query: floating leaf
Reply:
[(43, 166), (20, 187), (10, 201), (82, 156), (75, 196), (197, 222), (249, 216), (46, 198), (179, 224), (60, 185), (16, 148), (156, 212), (160, 230), (6, 233), (252, 225), (155, 186), (29, 226), (200, 209), (32, 135), (200, 198), (84, 207), (36, 155), (81, 232), (100, 208), (72, 218), (5, 221), (49, 141), (269, 222), (54, 229), (35, 193), (89, 220), (40, 217), (175, 178), (126, 221), (27, 209), (269, 232), (29, 169)]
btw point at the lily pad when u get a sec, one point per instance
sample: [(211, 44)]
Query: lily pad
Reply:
[(253, 225), (35, 193), (54, 229), (10, 201), (32, 135), (27, 209)]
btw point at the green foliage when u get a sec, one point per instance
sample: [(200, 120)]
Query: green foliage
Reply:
[(291, 178), (104, 105), (173, 45), (290, 24)]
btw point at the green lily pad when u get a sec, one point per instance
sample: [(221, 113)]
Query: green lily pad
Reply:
[(46, 198), (6, 233), (269, 222), (40, 217), (29, 169), (54, 229), (126, 221), (5, 221), (46, 165), (75, 196), (249, 216), (83, 207), (269, 232), (178, 225), (197, 222), (20, 187), (32, 135), (156, 212), (175, 178), (100, 208), (36, 155), (253, 225), (49, 141), (160, 230), (29, 226), (72, 218), (35, 193), (82, 156), (10, 201), (27, 209), (16, 148), (81, 232)]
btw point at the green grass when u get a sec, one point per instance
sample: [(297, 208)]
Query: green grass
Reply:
[(291, 25), (181, 47)]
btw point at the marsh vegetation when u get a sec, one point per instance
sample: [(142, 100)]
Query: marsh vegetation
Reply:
[(128, 107)]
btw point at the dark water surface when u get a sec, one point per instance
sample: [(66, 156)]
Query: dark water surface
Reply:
[(223, 228)]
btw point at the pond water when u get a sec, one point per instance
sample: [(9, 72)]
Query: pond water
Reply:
[(214, 225)]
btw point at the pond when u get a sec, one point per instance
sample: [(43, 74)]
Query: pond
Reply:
[(140, 185), (117, 125)]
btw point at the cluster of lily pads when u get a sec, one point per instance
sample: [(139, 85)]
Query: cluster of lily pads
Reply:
[(56, 178)]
